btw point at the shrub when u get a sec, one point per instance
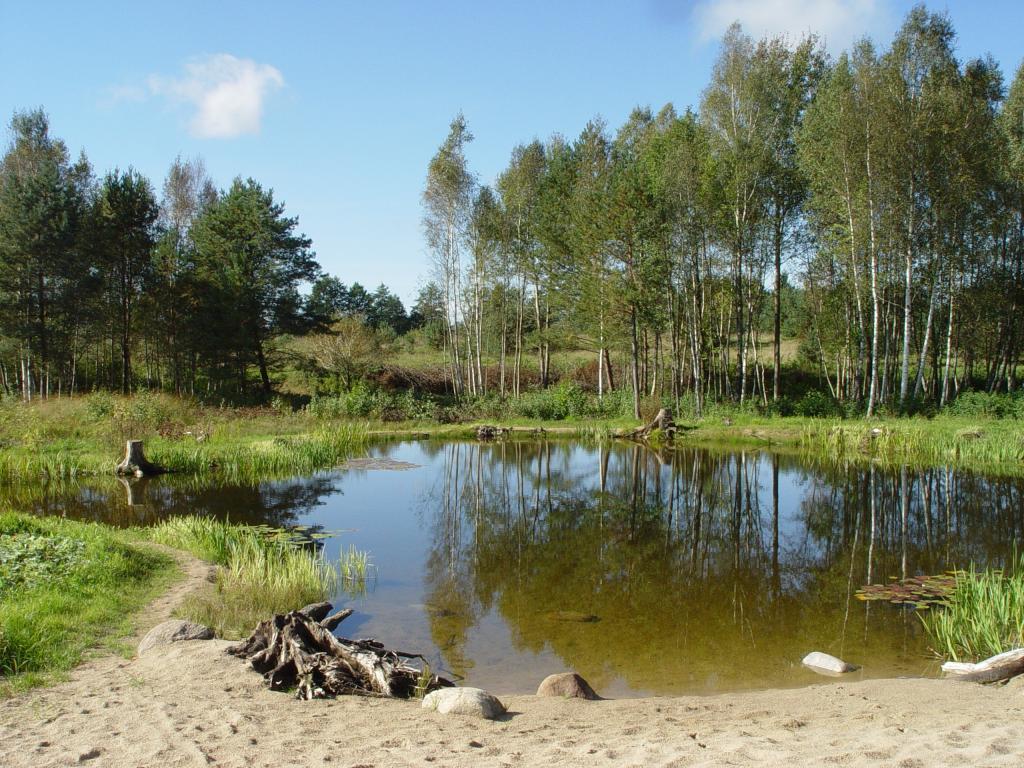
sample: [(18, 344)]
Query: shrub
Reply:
[(996, 405), (817, 404)]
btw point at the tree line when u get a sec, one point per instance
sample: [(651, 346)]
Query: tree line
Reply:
[(102, 284), (890, 183)]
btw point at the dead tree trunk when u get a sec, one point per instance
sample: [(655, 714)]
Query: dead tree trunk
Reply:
[(135, 462)]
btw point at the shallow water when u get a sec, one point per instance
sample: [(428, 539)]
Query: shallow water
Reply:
[(695, 572)]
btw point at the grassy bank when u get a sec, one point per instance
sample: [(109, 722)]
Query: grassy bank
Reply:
[(263, 572), (69, 438), (65, 439), (66, 587)]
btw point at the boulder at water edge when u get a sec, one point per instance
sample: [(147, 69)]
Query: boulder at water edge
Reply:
[(828, 665), (567, 685), (474, 702), (174, 631)]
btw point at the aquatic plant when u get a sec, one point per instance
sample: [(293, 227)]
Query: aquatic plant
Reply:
[(918, 591), (263, 571), (982, 617)]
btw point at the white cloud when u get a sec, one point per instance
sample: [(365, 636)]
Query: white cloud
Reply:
[(228, 93), (838, 22)]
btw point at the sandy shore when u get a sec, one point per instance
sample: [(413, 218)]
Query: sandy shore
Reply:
[(192, 705)]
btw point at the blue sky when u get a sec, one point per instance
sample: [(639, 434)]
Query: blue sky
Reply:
[(338, 106)]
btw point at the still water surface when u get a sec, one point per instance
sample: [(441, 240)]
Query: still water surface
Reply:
[(694, 572)]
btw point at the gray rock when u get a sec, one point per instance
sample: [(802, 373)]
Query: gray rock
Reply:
[(828, 665), (173, 632), (474, 702), (568, 685)]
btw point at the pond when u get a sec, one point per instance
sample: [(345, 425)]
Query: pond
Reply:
[(696, 571)]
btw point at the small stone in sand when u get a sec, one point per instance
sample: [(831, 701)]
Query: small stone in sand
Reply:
[(174, 631), (475, 702), (568, 685), (823, 663)]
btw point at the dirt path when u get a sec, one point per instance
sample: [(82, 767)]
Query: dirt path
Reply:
[(190, 704)]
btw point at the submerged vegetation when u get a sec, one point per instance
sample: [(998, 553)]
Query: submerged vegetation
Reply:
[(64, 587), (262, 571)]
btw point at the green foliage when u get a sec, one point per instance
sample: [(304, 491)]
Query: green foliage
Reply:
[(30, 559), (65, 587), (916, 591), (983, 617), (995, 405), (818, 405), (362, 401), (558, 403)]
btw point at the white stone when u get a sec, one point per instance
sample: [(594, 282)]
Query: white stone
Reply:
[(822, 662), (474, 702)]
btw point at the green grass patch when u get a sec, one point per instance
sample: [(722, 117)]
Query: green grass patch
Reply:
[(66, 439), (66, 587), (263, 571), (983, 616)]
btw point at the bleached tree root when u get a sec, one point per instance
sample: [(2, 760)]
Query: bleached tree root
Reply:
[(295, 650), (991, 670)]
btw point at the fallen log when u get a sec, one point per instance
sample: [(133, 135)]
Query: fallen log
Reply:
[(991, 670), (135, 463), (294, 650)]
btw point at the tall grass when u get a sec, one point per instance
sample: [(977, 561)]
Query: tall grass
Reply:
[(66, 587), (70, 438), (263, 571), (988, 445), (983, 617)]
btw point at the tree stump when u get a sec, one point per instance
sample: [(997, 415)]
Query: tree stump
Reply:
[(662, 422), (488, 432), (135, 463)]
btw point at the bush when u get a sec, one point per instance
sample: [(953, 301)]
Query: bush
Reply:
[(363, 402), (996, 405), (817, 404), (564, 401)]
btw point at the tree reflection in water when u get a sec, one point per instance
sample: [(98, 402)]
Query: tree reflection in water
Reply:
[(706, 569)]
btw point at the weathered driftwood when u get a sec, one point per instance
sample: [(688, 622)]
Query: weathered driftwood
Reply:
[(991, 670), (662, 421), (135, 463), (295, 650)]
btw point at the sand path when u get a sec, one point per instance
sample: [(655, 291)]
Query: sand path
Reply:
[(191, 705)]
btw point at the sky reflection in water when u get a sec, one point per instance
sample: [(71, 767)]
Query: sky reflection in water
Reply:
[(697, 572)]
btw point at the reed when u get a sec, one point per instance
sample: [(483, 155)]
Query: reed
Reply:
[(263, 571), (983, 617)]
